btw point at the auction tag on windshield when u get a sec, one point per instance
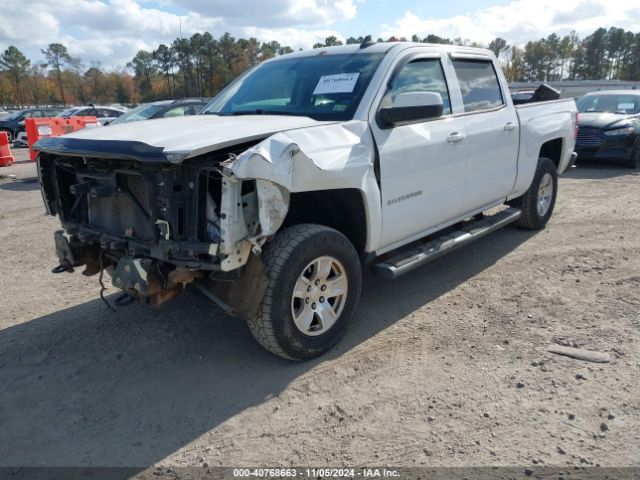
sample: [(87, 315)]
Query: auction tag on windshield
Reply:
[(626, 106), (338, 83)]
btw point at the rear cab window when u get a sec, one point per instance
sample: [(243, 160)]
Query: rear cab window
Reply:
[(479, 84)]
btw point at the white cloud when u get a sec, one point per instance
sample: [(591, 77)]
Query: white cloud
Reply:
[(295, 38), (523, 20), (274, 13), (112, 31)]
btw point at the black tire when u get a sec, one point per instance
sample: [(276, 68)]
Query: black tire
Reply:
[(634, 160), (531, 219), (285, 259), (9, 133)]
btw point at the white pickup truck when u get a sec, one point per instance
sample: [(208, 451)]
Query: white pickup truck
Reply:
[(304, 171)]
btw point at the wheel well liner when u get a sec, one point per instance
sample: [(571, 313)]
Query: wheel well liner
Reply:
[(552, 149), (341, 209)]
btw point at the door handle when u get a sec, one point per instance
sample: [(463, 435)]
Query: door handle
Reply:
[(510, 126), (456, 137)]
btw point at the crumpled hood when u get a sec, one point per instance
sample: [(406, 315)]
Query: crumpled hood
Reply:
[(174, 138), (604, 121)]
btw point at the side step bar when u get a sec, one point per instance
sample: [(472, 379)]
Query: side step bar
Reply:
[(407, 260)]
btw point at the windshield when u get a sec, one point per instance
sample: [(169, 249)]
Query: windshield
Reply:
[(323, 87), (610, 103), (141, 112)]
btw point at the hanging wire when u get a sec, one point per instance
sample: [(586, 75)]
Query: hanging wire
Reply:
[(102, 287)]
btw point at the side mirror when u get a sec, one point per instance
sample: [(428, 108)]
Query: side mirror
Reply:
[(21, 123), (411, 107)]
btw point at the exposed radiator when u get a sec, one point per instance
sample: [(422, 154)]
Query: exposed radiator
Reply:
[(119, 214)]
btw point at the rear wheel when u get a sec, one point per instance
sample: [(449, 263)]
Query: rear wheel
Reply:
[(538, 202), (314, 280)]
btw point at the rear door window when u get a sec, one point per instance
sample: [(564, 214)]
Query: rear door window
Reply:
[(479, 85)]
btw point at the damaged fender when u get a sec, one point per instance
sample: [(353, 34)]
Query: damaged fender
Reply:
[(323, 157)]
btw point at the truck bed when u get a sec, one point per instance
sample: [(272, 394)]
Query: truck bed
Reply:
[(539, 123)]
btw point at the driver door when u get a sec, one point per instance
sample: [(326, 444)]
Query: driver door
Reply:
[(422, 163)]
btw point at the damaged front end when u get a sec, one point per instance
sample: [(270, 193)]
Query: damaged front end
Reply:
[(157, 223)]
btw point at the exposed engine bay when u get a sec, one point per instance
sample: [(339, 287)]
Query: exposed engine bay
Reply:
[(157, 220), (154, 228)]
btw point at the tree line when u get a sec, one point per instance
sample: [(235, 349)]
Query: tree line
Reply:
[(202, 65)]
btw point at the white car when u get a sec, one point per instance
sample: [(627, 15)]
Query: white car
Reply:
[(307, 169), (104, 115)]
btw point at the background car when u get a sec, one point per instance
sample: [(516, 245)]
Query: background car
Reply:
[(609, 127), (14, 123), (164, 109), (105, 115)]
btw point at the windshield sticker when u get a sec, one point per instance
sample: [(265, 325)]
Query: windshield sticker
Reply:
[(626, 106), (338, 83)]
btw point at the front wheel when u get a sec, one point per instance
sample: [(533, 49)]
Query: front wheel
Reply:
[(10, 136), (314, 280), (538, 202)]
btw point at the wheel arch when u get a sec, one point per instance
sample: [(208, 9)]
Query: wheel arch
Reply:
[(552, 149), (8, 130), (341, 209)]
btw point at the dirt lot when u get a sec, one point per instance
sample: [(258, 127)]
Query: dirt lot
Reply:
[(445, 367)]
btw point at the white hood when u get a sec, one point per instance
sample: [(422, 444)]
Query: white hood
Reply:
[(197, 134)]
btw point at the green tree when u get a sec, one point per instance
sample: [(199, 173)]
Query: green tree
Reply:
[(565, 51), (57, 57), (595, 55), (515, 69), (354, 40), (164, 57), (497, 45), (144, 69), (331, 41), (17, 66), (616, 49)]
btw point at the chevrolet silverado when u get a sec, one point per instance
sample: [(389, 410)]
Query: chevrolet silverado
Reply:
[(305, 170)]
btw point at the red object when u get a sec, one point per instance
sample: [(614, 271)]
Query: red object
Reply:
[(38, 128), (6, 159)]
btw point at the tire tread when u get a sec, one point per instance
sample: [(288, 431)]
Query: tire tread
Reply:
[(275, 256), (527, 202)]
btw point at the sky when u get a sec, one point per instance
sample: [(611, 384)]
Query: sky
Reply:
[(110, 32)]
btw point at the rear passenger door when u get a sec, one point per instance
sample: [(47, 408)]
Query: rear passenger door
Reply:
[(492, 129)]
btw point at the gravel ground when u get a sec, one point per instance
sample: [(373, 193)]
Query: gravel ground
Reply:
[(445, 367)]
